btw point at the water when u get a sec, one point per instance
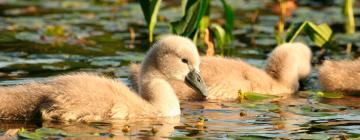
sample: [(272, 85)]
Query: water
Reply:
[(96, 36)]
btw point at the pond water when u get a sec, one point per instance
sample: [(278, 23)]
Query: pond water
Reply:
[(42, 38)]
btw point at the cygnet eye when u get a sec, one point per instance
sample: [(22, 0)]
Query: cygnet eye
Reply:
[(184, 60)]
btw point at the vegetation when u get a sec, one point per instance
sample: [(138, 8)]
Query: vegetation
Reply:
[(195, 22), (42, 38), (320, 34), (150, 10), (350, 21)]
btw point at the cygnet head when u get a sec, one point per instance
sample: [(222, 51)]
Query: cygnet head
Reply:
[(177, 58)]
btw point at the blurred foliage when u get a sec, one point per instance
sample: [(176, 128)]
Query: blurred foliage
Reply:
[(253, 96), (194, 22), (52, 133), (349, 14), (189, 23), (42, 38), (150, 10), (319, 34), (350, 21)]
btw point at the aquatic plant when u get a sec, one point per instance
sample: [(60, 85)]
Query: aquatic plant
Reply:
[(320, 34), (350, 21), (150, 10), (279, 32), (194, 22), (349, 14)]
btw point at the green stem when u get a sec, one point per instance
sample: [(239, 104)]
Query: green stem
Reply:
[(348, 12), (153, 19)]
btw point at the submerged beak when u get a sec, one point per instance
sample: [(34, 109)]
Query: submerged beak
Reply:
[(195, 81)]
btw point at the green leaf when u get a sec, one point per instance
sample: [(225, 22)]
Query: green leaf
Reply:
[(50, 132), (258, 107), (330, 95), (229, 18), (251, 137), (46, 133), (189, 23), (183, 7), (348, 12), (220, 36), (181, 138), (319, 34), (29, 135), (252, 96), (204, 23), (55, 30), (294, 30), (7, 37), (328, 107), (308, 110), (313, 136), (150, 10), (262, 107)]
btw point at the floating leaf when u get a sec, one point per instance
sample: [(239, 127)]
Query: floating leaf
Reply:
[(46, 133), (51, 132), (321, 94), (29, 135), (181, 138), (55, 30), (262, 107), (328, 107), (252, 96), (27, 36), (259, 107), (313, 136), (7, 37), (308, 110), (331, 95), (251, 137)]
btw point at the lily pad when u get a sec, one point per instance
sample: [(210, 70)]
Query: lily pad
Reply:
[(258, 107), (322, 94), (253, 96), (308, 110), (313, 136), (52, 133), (41, 133)]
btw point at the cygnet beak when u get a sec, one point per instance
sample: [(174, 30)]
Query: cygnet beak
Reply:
[(194, 80)]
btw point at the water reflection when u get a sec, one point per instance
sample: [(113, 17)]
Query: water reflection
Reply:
[(223, 121), (22, 60)]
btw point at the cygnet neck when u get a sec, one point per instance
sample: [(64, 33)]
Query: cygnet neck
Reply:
[(155, 88)]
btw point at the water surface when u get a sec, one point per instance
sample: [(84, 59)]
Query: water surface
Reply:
[(40, 38)]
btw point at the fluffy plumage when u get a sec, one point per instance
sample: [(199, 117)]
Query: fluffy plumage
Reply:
[(89, 97), (224, 77), (340, 76)]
